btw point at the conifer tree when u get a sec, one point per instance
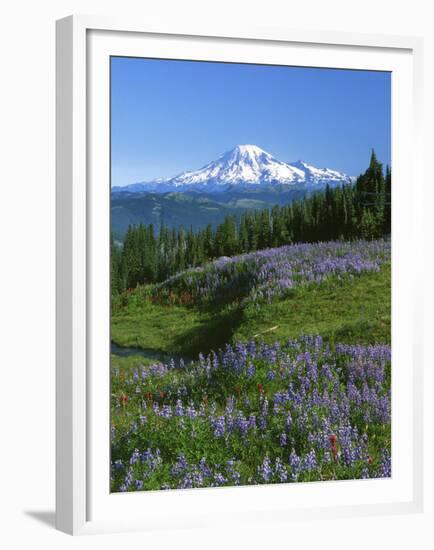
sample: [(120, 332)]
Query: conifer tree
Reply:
[(347, 212)]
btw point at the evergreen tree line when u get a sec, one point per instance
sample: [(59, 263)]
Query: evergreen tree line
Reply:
[(349, 212)]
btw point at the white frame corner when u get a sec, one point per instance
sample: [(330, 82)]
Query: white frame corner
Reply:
[(72, 214)]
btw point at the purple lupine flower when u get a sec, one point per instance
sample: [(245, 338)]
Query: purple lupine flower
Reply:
[(280, 470), (313, 405), (289, 421), (166, 411), (252, 421), (179, 409), (233, 472), (267, 274), (271, 375), (180, 466), (386, 465), (295, 465), (218, 425), (241, 423), (219, 479), (206, 472), (230, 405), (190, 411), (127, 481), (309, 462), (265, 470), (135, 456)]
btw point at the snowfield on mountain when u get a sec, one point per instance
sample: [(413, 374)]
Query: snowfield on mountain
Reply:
[(244, 166)]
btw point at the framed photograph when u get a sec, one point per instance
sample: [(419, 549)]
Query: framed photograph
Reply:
[(238, 242)]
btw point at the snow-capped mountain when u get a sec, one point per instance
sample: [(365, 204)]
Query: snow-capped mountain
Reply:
[(245, 166)]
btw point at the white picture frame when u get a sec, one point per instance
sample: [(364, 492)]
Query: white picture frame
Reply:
[(83, 502)]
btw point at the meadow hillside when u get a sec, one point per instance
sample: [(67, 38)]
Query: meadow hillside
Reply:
[(284, 372), (338, 290)]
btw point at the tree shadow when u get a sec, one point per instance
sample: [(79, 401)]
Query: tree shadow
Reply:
[(47, 517), (212, 334)]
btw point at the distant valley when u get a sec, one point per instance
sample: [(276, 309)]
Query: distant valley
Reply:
[(190, 209)]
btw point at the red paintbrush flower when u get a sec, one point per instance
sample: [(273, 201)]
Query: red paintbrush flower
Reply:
[(260, 388), (333, 442), (124, 399)]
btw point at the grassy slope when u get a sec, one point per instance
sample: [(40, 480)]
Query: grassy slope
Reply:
[(182, 330), (130, 362), (356, 310)]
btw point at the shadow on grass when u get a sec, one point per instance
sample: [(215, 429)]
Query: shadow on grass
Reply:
[(211, 335)]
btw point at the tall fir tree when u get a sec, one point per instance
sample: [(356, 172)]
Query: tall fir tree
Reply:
[(349, 212)]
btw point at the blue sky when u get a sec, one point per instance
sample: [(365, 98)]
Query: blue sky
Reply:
[(170, 116)]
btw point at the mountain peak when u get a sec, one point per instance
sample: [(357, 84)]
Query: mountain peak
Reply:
[(247, 166), (245, 153), (249, 149)]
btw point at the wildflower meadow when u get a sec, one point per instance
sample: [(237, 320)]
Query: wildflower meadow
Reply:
[(265, 409), (250, 292)]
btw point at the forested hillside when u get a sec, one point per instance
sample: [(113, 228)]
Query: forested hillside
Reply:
[(349, 212)]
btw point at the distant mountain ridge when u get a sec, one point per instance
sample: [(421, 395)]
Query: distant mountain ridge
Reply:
[(243, 167), (193, 209)]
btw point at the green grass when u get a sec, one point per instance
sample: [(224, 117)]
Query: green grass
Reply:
[(154, 327), (351, 311), (174, 329), (354, 310), (130, 362)]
